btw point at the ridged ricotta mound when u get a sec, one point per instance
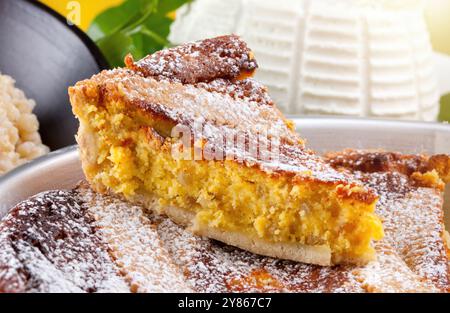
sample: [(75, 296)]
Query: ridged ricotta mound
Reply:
[(349, 57)]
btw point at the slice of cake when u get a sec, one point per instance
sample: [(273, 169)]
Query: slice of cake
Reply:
[(188, 134)]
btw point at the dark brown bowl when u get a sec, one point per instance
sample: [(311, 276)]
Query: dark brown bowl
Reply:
[(45, 56)]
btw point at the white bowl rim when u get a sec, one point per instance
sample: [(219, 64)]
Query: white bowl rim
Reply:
[(50, 157)]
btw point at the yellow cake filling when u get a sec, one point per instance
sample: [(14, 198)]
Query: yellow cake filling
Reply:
[(224, 194)]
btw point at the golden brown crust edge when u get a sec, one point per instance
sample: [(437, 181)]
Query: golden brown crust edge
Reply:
[(425, 171)]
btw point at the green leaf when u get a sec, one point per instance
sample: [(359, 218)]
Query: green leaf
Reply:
[(444, 116), (150, 35), (167, 6), (140, 27), (115, 47), (113, 19), (122, 16), (159, 24), (138, 42)]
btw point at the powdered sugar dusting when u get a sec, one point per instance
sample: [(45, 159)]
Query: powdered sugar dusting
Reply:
[(202, 61), (390, 274), (413, 224), (247, 90), (135, 245)]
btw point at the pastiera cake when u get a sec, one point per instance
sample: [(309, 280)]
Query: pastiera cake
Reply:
[(242, 176), (83, 241)]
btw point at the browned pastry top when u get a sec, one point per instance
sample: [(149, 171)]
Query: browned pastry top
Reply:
[(426, 171), (225, 57), (382, 161), (378, 161)]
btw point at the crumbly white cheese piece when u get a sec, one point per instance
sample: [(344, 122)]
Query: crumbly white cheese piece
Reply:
[(19, 137)]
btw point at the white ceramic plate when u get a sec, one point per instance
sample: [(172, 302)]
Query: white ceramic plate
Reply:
[(62, 170)]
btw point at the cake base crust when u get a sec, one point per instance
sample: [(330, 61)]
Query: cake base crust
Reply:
[(320, 255)]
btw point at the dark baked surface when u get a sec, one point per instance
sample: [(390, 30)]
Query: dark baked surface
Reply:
[(49, 244), (383, 161), (226, 57)]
